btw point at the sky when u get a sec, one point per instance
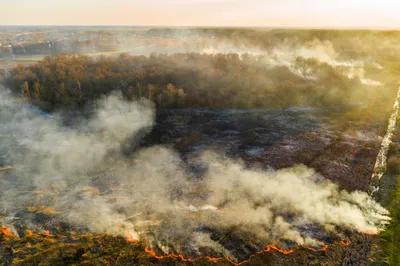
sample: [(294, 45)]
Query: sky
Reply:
[(254, 13)]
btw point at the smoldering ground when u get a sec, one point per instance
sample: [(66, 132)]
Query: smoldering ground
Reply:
[(79, 176)]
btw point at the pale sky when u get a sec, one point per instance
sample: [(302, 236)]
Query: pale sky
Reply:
[(260, 13)]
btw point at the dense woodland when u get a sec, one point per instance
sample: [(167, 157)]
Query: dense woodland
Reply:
[(186, 80)]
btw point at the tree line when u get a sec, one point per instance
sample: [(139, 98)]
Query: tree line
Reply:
[(185, 81)]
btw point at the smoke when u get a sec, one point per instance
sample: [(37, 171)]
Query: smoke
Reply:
[(293, 190), (283, 52), (314, 61), (83, 178), (287, 52)]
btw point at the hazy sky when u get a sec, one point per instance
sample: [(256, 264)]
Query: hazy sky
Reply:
[(269, 13)]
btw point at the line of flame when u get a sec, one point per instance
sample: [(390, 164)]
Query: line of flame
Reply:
[(5, 231), (268, 248)]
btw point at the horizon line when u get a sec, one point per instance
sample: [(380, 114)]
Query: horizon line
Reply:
[(208, 26)]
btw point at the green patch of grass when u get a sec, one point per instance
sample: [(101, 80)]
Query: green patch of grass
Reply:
[(391, 236)]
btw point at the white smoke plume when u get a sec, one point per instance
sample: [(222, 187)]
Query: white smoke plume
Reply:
[(83, 178), (286, 53)]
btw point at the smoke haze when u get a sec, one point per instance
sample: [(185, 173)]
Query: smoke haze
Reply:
[(80, 176)]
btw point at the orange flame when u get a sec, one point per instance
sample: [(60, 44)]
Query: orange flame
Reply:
[(212, 259), (5, 231), (345, 243), (240, 263), (283, 251), (8, 233), (268, 248), (324, 248), (47, 233), (130, 239), (153, 253), (171, 256)]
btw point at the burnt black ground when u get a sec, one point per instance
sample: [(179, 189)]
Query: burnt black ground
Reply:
[(340, 143)]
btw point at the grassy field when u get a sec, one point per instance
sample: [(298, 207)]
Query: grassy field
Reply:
[(391, 237)]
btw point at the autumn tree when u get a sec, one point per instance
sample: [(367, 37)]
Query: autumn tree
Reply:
[(36, 90), (25, 90), (186, 80)]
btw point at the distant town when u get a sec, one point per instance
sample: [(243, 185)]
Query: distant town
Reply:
[(26, 44)]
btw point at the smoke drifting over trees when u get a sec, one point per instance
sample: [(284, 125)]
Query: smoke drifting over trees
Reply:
[(232, 70)]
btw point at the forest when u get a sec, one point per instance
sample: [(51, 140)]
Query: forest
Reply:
[(223, 68), (187, 80)]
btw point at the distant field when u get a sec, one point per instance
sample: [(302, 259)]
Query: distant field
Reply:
[(29, 59), (7, 64), (108, 53), (26, 60)]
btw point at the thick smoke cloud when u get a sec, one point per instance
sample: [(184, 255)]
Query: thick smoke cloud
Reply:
[(83, 178)]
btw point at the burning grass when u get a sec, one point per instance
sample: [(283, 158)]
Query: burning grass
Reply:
[(100, 249), (6, 232)]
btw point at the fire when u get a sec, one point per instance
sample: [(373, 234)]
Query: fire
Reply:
[(5, 231), (345, 243), (283, 251), (153, 253), (212, 259), (47, 233), (268, 248), (240, 263), (130, 239), (324, 248), (171, 256)]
